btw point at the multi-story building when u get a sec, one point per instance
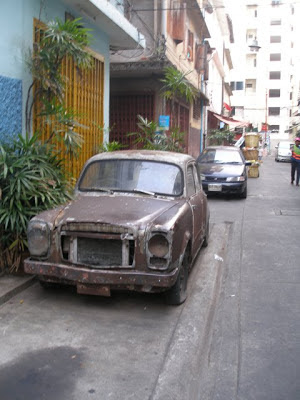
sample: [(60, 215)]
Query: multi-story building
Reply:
[(265, 80), (176, 34)]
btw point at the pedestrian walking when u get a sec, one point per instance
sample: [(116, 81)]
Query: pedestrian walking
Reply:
[(295, 162), (260, 152)]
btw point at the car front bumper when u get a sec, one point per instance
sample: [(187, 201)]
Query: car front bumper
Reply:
[(95, 279), (284, 158), (226, 187)]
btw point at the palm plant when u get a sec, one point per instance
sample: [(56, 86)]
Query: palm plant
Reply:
[(176, 86), (149, 137), (58, 41)]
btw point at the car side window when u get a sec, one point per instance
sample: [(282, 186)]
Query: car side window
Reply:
[(190, 184), (197, 178)]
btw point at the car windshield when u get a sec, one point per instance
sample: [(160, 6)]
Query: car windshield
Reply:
[(147, 177), (220, 156), (285, 145)]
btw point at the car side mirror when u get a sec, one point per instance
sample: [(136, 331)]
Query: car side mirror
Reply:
[(276, 147)]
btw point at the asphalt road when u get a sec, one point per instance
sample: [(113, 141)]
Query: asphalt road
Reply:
[(236, 337)]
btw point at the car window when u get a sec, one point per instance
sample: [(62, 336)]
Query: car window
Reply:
[(220, 156), (133, 176), (190, 184)]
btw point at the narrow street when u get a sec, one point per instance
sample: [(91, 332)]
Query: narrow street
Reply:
[(236, 336), (254, 349)]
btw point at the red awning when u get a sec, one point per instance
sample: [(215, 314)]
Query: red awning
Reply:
[(230, 121)]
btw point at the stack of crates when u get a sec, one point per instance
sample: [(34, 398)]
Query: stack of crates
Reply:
[(251, 153)]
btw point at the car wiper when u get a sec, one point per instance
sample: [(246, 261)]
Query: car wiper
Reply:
[(96, 189), (144, 192), (232, 162)]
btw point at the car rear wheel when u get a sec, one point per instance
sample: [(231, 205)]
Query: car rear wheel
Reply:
[(178, 293), (48, 285)]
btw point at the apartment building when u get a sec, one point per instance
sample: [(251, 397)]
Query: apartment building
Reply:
[(265, 80)]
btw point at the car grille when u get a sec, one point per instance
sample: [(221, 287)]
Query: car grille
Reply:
[(98, 245), (213, 179)]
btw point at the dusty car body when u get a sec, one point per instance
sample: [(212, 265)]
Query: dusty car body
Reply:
[(137, 222)]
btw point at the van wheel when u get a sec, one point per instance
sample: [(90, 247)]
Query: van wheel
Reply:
[(178, 293)]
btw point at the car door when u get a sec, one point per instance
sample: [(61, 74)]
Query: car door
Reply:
[(195, 199)]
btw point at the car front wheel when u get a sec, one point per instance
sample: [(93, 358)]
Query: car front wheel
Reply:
[(178, 293), (243, 195)]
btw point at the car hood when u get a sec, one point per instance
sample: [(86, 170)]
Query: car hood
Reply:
[(221, 170), (117, 209), (284, 152)]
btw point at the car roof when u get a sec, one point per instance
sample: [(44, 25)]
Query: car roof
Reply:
[(229, 148), (152, 155)]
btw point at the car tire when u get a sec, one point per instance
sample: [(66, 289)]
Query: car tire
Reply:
[(47, 285), (243, 195), (178, 293)]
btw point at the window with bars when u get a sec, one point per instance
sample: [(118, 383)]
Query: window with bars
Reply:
[(190, 47), (274, 111), (275, 39), (275, 22), (275, 57), (274, 74), (274, 93)]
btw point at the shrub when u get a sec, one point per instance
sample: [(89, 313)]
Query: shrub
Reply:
[(219, 137), (32, 180), (149, 137)]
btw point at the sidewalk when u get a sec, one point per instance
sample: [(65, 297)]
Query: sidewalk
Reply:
[(10, 285)]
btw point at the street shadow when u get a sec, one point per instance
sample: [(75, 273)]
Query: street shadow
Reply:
[(47, 374)]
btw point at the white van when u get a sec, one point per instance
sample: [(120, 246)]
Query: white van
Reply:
[(283, 151)]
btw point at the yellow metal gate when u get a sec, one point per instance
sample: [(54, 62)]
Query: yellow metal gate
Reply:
[(84, 95)]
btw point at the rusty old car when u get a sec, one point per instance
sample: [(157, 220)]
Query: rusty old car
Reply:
[(137, 222)]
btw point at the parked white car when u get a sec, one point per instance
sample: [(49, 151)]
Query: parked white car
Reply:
[(283, 151)]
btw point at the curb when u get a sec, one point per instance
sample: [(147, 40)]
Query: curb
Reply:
[(17, 285)]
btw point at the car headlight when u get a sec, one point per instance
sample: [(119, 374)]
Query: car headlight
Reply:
[(235, 179), (202, 177), (38, 237), (158, 252), (158, 246)]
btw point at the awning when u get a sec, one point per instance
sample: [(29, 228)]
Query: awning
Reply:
[(231, 122)]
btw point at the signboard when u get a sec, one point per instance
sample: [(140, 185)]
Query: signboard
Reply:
[(164, 121)]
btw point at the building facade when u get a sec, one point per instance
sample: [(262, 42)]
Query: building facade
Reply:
[(265, 82)]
